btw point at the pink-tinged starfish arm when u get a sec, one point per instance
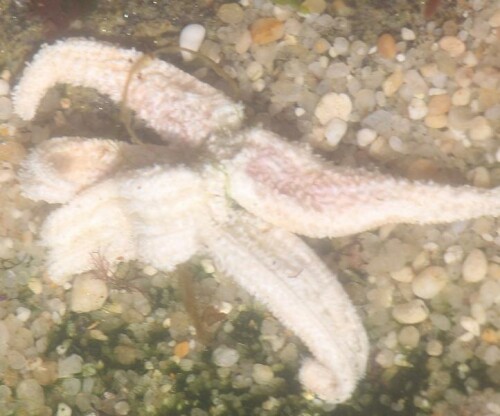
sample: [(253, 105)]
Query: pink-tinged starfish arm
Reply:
[(147, 214), (178, 106), (287, 276), (290, 188)]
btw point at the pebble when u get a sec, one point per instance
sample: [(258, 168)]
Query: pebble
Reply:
[(438, 105), (407, 34), (67, 366), (225, 357), (434, 348), (266, 30), (417, 109), (386, 46), (411, 312), (262, 374), (404, 275), (121, 408), (429, 282), (333, 105), (480, 129), (436, 122), (231, 13), (125, 354), (393, 82), (365, 137), (314, 6), (475, 266), (254, 71), (453, 45), (409, 337), (470, 325), (63, 410), (340, 46), (30, 391), (23, 314), (88, 293), (334, 131), (191, 37), (461, 97)]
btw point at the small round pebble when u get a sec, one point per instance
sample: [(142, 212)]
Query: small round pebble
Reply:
[(434, 348), (68, 366), (411, 312), (409, 337), (266, 30), (365, 136), (417, 109), (88, 293), (334, 131), (407, 34), (404, 275), (225, 357), (230, 13), (122, 408), (262, 374), (63, 410), (429, 282), (453, 45), (5, 108), (333, 105), (475, 266)]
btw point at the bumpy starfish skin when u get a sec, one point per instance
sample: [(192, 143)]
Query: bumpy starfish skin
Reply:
[(175, 104), (240, 207)]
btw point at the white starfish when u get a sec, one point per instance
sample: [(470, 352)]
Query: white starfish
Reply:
[(240, 207)]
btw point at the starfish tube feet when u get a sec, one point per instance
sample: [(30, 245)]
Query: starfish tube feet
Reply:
[(290, 188), (175, 104), (286, 275)]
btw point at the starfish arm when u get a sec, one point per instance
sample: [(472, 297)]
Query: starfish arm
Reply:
[(284, 274), (290, 188), (175, 104), (59, 168), (146, 214), (93, 223)]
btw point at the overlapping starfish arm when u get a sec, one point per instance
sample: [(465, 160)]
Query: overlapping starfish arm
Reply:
[(290, 188), (57, 169), (287, 276), (178, 106), (147, 214)]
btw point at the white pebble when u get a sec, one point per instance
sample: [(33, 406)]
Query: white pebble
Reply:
[(429, 282), (88, 293), (404, 275), (475, 266), (254, 71), (470, 325), (262, 374), (434, 348), (480, 129), (411, 312), (417, 109), (23, 314), (333, 105), (334, 131), (340, 46), (225, 357), (461, 97), (4, 87), (191, 37), (365, 136), (63, 410), (407, 34), (409, 337), (68, 366), (122, 408)]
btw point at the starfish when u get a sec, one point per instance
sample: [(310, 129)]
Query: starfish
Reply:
[(240, 201)]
